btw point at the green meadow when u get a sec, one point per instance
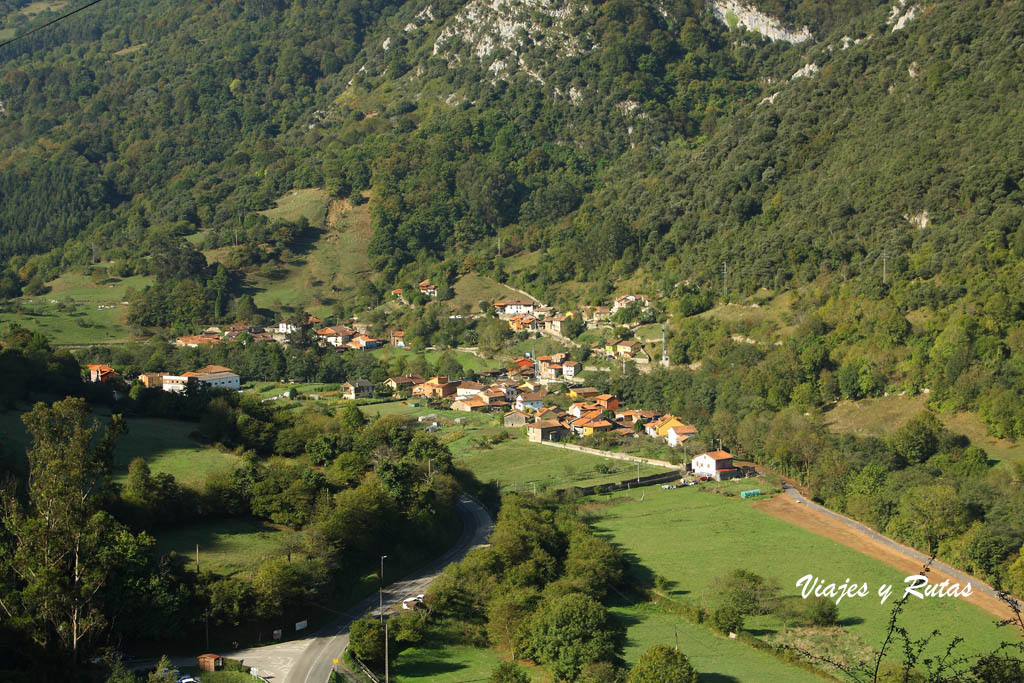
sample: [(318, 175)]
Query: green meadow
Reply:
[(690, 537), (167, 447)]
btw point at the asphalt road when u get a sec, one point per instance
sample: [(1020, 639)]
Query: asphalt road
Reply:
[(314, 664)]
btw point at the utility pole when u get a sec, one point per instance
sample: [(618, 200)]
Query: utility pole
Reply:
[(197, 558), (885, 272), (387, 669), (725, 280), (381, 591), (638, 472), (664, 348)]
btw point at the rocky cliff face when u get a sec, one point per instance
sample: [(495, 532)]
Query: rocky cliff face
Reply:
[(734, 13), (512, 35)]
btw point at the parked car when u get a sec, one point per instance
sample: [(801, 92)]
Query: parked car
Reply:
[(412, 602)]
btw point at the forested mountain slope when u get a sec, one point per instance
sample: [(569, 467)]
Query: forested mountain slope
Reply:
[(646, 140)]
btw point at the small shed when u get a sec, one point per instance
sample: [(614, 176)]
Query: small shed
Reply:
[(211, 662)]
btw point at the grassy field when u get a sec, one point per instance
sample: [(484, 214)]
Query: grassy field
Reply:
[(310, 203), (690, 537), (329, 265), (880, 416), (451, 664), (228, 546), (715, 657), (471, 289), (765, 321), (518, 464), (515, 463), (78, 309), (166, 446)]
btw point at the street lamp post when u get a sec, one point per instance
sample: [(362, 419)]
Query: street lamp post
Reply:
[(381, 589)]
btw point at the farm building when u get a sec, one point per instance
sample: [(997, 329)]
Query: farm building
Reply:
[(715, 465), (545, 430), (360, 388)]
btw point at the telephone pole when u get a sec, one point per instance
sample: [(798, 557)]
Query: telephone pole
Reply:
[(725, 280), (664, 348), (885, 271)]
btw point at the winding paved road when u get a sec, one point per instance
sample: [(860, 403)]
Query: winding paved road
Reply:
[(314, 663)]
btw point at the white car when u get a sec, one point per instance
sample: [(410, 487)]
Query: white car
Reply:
[(412, 602)]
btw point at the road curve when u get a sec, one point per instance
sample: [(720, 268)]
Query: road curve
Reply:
[(314, 665)]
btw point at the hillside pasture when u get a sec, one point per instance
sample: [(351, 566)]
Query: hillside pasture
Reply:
[(228, 546), (167, 447), (691, 537), (329, 264), (882, 416), (78, 309)]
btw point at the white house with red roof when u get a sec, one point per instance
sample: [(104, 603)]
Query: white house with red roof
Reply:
[(716, 465)]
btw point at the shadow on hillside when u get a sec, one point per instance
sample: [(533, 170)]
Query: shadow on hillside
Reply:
[(717, 678)]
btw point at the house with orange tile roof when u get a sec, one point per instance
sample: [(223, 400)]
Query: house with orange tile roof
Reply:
[(677, 435), (101, 373), (714, 465), (336, 336)]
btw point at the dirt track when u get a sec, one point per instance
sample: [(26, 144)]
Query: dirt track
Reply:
[(785, 508)]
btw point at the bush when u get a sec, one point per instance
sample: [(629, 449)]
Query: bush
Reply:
[(821, 612), (727, 619)]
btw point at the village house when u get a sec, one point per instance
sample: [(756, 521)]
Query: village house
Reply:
[(590, 423), (577, 409), (624, 348), (362, 342), (515, 418), (152, 380), (196, 340), (493, 396), (360, 388), (216, 377), (543, 311), (531, 385), (397, 338), (209, 377), (334, 336), (606, 401), (435, 387), (549, 413), (469, 388), (399, 294), (596, 313), (715, 465), (584, 393), (515, 307), (551, 371), (677, 435), (470, 404), (533, 401), (546, 430), (659, 428), (403, 382), (101, 373), (627, 300), (428, 289), (571, 368), (631, 417)]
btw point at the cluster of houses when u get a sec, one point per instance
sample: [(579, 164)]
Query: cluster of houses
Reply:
[(210, 377), (525, 403), (338, 337), (525, 315)]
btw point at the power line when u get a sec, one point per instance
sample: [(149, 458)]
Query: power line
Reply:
[(50, 23)]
